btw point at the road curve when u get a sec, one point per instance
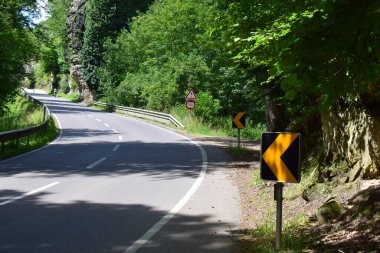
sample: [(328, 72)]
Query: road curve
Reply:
[(115, 184)]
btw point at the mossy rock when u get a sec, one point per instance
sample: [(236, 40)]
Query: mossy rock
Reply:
[(314, 191), (329, 211)]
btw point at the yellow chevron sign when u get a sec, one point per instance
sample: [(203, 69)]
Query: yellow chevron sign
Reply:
[(280, 157), (238, 120)]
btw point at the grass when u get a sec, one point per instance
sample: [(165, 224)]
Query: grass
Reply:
[(35, 141), (238, 151), (73, 97), (256, 178), (221, 127), (23, 113), (293, 238)]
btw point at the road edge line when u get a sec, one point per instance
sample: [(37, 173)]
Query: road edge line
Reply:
[(164, 220)]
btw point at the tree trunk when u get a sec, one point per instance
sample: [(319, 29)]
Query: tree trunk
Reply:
[(274, 112)]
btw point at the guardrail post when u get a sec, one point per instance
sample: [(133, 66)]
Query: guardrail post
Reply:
[(43, 119)]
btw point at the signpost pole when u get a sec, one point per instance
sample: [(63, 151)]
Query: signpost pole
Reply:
[(238, 137), (278, 194)]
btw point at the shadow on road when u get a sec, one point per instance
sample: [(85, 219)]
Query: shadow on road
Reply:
[(159, 160), (32, 225)]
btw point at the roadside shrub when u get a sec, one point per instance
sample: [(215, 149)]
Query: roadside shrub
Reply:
[(207, 107)]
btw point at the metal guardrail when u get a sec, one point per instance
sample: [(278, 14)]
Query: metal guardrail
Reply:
[(26, 132), (143, 113)]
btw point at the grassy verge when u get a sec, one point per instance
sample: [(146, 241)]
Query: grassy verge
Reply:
[(293, 239), (36, 141), (22, 114), (73, 97), (221, 126)]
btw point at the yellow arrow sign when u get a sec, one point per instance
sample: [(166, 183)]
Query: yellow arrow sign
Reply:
[(237, 121), (272, 157)]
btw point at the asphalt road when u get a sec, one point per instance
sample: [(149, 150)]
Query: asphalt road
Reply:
[(116, 184)]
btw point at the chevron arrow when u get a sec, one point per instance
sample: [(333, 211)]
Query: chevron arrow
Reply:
[(237, 121), (272, 157)]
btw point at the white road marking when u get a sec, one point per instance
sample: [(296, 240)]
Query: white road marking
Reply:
[(115, 130), (89, 115), (28, 194), (106, 125), (98, 120), (120, 138), (96, 163), (164, 220), (116, 148)]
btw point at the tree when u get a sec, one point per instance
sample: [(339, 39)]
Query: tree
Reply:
[(17, 45), (51, 33), (104, 19)]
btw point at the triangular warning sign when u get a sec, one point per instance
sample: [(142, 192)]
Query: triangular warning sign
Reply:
[(191, 95)]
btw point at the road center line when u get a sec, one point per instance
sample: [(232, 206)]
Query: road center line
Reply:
[(116, 148), (115, 130), (96, 163), (28, 194), (89, 115), (106, 125), (120, 138), (98, 120)]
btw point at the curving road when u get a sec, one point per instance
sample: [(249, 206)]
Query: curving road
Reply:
[(116, 184)]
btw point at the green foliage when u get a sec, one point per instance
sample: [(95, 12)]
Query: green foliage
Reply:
[(51, 33), (221, 126), (35, 141), (207, 107), (169, 49), (22, 113), (307, 49), (17, 45), (49, 60), (104, 19)]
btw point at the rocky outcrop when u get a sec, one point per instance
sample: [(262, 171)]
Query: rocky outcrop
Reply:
[(76, 21), (352, 136)]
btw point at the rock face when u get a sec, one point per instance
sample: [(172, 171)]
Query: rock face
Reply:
[(353, 136), (76, 21)]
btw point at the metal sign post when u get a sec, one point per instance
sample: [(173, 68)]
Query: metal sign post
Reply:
[(280, 162), (238, 137), (278, 197)]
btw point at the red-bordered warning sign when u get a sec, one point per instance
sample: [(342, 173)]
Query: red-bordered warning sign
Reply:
[(191, 95)]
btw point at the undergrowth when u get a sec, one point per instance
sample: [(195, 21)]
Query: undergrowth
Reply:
[(220, 126), (73, 97), (36, 141), (21, 114)]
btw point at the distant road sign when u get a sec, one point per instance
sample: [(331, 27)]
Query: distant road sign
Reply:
[(238, 120), (191, 95), (280, 157), (190, 104)]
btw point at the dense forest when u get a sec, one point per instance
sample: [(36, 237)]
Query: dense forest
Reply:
[(306, 66)]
